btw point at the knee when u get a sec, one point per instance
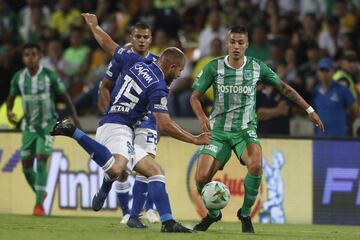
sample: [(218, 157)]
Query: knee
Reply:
[(117, 170), (255, 167), (156, 169)]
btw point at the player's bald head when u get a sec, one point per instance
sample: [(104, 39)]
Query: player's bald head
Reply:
[(172, 55), (172, 62)]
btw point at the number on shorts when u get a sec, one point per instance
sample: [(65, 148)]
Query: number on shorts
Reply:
[(151, 137), (252, 133)]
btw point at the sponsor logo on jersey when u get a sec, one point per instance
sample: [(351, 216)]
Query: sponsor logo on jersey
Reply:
[(235, 89), (144, 74), (119, 109), (248, 74)]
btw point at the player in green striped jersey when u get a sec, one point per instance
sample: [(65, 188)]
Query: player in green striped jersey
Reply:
[(38, 87), (233, 122)]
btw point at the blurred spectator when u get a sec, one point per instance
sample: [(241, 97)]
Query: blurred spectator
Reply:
[(309, 30), (65, 17), (273, 112), (54, 57), (347, 19), (313, 7), (216, 51), (276, 55), (10, 62), (259, 47), (346, 74), (77, 61), (7, 22), (32, 30), (31, 18), (307, 70), (161, 41), (213, 30), (331, 101), (165, 18), (330, 39)]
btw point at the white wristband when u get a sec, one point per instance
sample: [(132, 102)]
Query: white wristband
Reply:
[(310, 110)]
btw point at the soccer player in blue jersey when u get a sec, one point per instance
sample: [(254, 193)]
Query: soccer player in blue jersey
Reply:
[(145, 134), (142, 87)]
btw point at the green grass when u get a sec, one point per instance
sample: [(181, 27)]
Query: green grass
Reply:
[(14, 227)]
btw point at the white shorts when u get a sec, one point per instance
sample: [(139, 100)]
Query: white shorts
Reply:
[(144, 143), (118, 139)]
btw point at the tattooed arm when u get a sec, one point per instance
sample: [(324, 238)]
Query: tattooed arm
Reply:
[(294, 96)]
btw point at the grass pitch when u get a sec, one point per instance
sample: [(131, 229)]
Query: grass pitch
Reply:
[(14, 227)]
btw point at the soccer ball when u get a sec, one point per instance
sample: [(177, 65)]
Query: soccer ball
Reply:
[(215, 195)]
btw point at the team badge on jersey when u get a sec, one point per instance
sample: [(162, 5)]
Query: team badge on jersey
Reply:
[(248, 74)]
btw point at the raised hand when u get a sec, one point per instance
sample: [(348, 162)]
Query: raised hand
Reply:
[(90, 19)]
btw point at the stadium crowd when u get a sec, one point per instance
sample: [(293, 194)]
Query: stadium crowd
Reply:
[(290, 36)]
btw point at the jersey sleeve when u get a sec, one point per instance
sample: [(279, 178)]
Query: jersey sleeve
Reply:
[(56, 84), (268, 76), (348, 98), (205, 78), (158, 100), (14, 85), (113, 70)]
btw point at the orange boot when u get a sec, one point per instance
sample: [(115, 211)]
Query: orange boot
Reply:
[(38, 210)]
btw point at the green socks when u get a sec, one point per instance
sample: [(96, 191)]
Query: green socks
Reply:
[(30, 177), (252, 184), (40, 182)]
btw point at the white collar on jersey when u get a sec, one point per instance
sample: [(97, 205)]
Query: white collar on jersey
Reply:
[(37, 73), (226, 60)]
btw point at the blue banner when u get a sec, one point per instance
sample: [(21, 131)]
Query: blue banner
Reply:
[(336, 179)]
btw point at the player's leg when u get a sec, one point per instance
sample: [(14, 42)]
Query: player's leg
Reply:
[(122, 188), (212, 158), (28, 170), (44, 143), (140, 190), (249, 152), (145, 140), (118, 139), (206, 168), (27, 154), (112, 165), (147, 166)]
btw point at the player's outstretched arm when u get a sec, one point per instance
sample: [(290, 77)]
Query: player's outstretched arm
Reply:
[(104, 40), (199, 112), (166, 124), (104, 94), (293, 95)]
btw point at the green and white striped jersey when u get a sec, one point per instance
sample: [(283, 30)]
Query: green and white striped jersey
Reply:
[(38, 97), (234, 106)]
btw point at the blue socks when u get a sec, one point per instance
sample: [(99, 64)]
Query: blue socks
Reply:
[(149, 203), (98, 152), (158, 194), (140, 189), (122, 193)]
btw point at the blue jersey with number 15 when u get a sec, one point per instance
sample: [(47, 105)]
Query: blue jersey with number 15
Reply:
[(114, 72), (141, 88)]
